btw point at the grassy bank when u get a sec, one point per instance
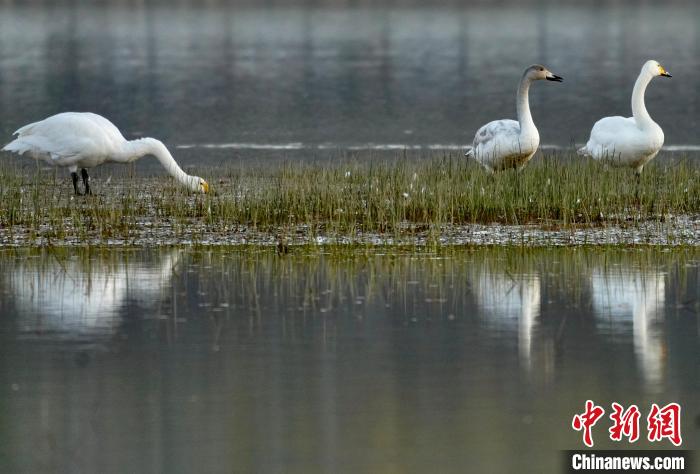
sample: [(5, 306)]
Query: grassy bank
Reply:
[(395, 197)]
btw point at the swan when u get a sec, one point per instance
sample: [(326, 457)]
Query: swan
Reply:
[(504, 144), (83, 140), (629, 141)]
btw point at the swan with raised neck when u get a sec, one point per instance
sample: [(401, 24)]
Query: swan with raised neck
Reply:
[(629, 141), (504, 144)]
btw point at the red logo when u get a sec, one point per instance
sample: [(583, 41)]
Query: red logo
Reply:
[(586, 420), (665, 423), (662, 423), (625, 423)]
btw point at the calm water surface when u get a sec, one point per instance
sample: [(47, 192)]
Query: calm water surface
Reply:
[(177, 360), (330, 77)]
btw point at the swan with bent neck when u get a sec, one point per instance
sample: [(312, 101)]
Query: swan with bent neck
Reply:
[(629, 141), (84, 140), (504, 144)]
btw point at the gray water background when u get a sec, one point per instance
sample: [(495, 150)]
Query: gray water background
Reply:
[(229, 360), (325, 76)]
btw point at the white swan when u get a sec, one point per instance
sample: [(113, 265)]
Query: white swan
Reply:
[(629, 141), (83, 140), (504, 144)]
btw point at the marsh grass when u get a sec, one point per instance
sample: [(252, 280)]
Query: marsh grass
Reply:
[(397, 197), (325, 280)]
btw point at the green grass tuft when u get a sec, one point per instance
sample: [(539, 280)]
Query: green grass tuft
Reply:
[(348, 197)]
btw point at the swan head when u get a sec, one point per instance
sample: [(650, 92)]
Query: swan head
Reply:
[(198, 185), (538, 72), (655, 69)]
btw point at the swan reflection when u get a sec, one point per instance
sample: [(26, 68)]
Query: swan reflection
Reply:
[(81, 296), (511, 303), (632, 302)]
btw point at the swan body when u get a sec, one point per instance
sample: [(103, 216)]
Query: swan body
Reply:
[(629, 141), (84, 140), (504, 144)]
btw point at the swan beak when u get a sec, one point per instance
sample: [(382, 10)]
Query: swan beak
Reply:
[(664, 72), (554, 77), (205, 187)]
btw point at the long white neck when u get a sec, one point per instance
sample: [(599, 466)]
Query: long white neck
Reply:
[(527, 126), (135, 149), (639, 110)]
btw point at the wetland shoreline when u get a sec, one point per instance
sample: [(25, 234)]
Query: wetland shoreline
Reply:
[(442, 200)]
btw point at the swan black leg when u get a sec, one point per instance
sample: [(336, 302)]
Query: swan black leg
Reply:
[(86, 180), (74, 175)]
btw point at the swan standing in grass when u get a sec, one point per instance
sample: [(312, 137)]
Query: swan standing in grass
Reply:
[(504, 144), (83, 140), (629, 141)]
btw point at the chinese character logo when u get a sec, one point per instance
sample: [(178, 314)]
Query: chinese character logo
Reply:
[(625, 423), (665, 423), (586, 420), (662, 423)]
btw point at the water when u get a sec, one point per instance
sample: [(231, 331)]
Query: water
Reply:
[(184, 360), (181, 360), (321, 77)]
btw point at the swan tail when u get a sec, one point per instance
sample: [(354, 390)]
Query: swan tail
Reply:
[(16, 146), (24, 141), (24, 145)]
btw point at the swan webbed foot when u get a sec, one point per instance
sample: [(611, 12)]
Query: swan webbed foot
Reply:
[(86, 181)]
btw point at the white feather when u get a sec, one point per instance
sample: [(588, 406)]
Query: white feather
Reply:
[(84, 140), (628, 141), (497, 145), (504, 144)]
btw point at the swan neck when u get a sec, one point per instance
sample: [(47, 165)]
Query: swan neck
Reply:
[(639, 110), (139, 148), (523, 105)]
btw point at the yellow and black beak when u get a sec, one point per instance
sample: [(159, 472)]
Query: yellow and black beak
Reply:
[(205, 187), (664, 72)]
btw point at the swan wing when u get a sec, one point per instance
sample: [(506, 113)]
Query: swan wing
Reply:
[(619, 139), (495, 142), (609, 137), (496, 132), (67, 138)]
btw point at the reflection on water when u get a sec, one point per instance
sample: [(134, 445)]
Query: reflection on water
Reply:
[(214, 72), (162, 360), (624, 298), (510, 301), (74, 297)]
